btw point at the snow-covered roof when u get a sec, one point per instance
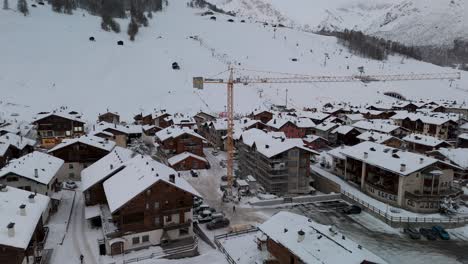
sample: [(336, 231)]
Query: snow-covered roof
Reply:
[(464, 126), (424, 140), (270, 144), (313, 115), (140, 173), (175, 131), (104, 167), (14, 140), (182, 156), (312, 138), (250, 178), (66, 115), (458, 156), (463, 136), (320, 243), (376, 137), (388, 158), (126, 129), (325, 126), (428, 118), (93, 141), (24, 225), (336, 152), (355, 117), (301, 122), (376, 126), (21, 128), (343, 130), (36, 166)]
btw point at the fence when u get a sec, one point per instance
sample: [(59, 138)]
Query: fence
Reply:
[(398, 221), (298, 199), (232, 234), (163, 253)]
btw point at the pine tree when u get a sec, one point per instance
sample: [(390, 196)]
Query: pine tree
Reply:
[(5, 4), (23, 7), (132, 29)]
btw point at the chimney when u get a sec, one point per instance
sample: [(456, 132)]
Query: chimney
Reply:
[(31, 197), (36, 173), (366, 155), (11, 229), (111, 166), (267, 146), (421, 160), (172, 178), (22, 209), (403, 168), (300, 236)]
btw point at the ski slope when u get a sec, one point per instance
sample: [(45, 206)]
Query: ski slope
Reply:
[(47, 61)]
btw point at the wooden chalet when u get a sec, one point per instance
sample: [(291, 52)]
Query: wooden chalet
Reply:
[(54, 127)]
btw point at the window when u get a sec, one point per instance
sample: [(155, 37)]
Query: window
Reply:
[(157, 221), (147, 206), (183, 231), (12, 179), (145, 239), (136, 240), (71, 175), (68, 133), (156, 205), (70, 166), (169, 218)]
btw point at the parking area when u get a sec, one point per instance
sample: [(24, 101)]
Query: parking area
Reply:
[(390, 243)]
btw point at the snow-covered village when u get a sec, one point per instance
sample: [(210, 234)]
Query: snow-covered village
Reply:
[(233, 131)]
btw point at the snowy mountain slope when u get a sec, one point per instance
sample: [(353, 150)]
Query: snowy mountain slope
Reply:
[(413, 22), (47, 61)]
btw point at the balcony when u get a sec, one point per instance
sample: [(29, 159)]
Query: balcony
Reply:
[(173, 226), (452, 192)]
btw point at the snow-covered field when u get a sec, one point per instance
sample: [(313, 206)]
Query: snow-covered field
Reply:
[(48, 61)]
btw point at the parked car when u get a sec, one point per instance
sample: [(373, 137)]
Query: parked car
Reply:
[(205, 216), (197, 202), (428, 233), (201, 208), (231, 20), (412, 233), (218, 223), (71, 185), (352, 209), (440, 231), (193, 173)]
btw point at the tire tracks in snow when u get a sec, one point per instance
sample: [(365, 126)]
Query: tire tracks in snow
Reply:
[(80, 242)]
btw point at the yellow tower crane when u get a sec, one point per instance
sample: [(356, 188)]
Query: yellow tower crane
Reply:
[(199, 82)]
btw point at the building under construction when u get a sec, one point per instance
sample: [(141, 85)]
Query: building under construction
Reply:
[(279, 164)]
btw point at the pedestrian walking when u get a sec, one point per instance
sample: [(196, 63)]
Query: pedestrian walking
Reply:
[(234, 209), (81, 258)]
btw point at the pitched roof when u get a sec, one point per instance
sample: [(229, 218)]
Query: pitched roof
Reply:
[(463, 136), (93, 141), (374, 136), (175, 131), (14, 140), (25, 225), (458, 156), (355, 117), (270, 144), (424, 140), (45, 165), (388, 158), (376, 126), (140, 173), (106, 166), (69, 116), (326, 126), (125, 129), (343, 130), (279, 121), (320, 244), (428, 118), (182, 156)]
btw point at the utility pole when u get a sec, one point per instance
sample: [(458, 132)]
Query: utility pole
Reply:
[(286, 104)]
